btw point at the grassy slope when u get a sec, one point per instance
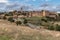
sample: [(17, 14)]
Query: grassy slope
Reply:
[(9, 31)]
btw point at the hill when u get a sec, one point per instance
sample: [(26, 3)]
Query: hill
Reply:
[(10, 31)]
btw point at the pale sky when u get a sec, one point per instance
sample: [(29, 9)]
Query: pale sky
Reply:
[(52, 5)]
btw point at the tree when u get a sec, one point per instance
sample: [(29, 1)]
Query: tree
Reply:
[(51, 27), (11, 19), (44, 20), (57, 27), (25, 21), (18, 23)]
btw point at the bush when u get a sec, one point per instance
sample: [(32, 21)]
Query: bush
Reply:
[(25, 21), (51, 27), (44, 20), (4, 18), (10, 19), (57, 27), (50, 18), (18, 22)]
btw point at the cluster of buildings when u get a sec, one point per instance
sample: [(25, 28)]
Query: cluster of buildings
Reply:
[(42, 13)]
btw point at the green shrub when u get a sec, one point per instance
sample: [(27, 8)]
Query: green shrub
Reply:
[(44, 20), (25, 21), (57, 27), (50, 18), (11, 19), (18, 22), (54, 27), (51, 27)]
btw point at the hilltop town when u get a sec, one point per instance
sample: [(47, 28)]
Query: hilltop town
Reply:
[(42, 13), (29, 25), (29, 19)]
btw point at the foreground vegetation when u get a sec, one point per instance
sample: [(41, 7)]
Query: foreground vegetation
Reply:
[(45, 22), (28, 34)]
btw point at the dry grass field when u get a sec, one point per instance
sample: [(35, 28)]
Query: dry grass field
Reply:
[(10, 31)]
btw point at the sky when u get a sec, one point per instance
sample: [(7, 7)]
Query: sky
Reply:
[(9, 5)]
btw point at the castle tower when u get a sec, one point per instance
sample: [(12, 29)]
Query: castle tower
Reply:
[(43, 13)]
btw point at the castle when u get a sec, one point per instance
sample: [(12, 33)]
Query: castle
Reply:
[(42, 13)]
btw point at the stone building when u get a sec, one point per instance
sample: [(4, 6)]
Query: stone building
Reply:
[(43, 13)]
